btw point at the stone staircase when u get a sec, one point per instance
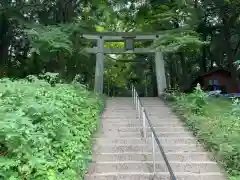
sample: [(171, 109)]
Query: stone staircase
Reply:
[(120, 152)]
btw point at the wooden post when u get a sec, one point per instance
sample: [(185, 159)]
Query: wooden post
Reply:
[(160, 73), (99, 71)]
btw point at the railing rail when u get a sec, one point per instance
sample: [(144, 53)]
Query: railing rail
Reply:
[(142, 115)]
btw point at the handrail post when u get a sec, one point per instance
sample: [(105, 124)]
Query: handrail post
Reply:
[(132, 92), (139, 109), (135, 99), (134, 96), (144, 124), (137, 104), (154, 155)]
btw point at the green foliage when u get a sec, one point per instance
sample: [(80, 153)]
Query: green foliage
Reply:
[(45, 131), (196, 101), (216, 127), (50, 39), (236, 107), (178, 41), (51, 78), (171, 95)]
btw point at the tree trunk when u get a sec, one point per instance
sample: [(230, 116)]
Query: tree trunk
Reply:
[(171, 75), (204, 56), (204, 52), (230, 54), (184, 77), (61, 64), (153, 78), (4, 40)]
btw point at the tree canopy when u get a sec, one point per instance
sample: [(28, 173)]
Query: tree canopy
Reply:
[(43, 36)]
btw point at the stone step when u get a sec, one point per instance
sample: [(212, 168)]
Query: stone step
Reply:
[(163, 118), (107, 127), (148, 142), (120, 113), (159, 111), (147, 166), (145, 148), (120, 107), (139, 134), (134, 117), (134, 120), (135, 141), (119, 117), (139, 129), (111, 140), (156, 107), (156, 176), (138, 124), (172, 156)]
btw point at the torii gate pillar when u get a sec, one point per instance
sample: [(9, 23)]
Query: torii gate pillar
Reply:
[(99, 70), (160, 73)]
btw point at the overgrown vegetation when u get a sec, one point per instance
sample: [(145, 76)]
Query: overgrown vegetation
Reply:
[(216, 123), (45, 128)]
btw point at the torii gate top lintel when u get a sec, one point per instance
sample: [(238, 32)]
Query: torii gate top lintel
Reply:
[(110, 36), (102, 37)]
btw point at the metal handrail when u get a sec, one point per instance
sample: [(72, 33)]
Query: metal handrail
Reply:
[(142, 114)]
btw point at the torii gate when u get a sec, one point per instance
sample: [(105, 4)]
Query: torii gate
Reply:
[(127, 37)]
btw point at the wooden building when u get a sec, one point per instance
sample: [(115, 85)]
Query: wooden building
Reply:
[(218, 79)]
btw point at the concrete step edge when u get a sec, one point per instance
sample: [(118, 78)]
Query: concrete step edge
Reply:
[(116, 131), (200, 151), (164, 144), (140, 127), (156, 173), (157, 162), (138, 138), (146, 145), (150, 153), (135, 124)]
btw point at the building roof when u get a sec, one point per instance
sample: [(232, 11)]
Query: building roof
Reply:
[(214, 71)]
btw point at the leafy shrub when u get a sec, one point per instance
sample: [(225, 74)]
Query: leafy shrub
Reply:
[(220, 134), (170, 96), (195, 101), (236, 107), (45, 131), (217, 125), (198, 99)]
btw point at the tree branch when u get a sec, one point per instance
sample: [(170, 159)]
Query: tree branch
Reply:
[(236, 48)]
